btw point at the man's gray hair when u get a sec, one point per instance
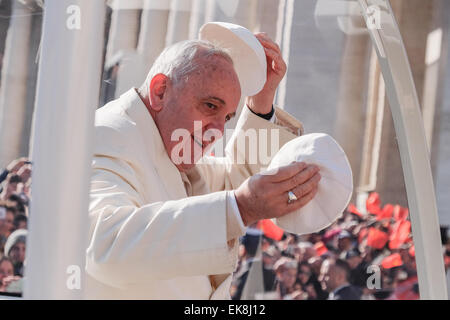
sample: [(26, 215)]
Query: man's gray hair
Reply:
[(182, 58)]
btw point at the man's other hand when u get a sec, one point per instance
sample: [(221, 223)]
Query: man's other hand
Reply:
[(264, 196), (276, 69)]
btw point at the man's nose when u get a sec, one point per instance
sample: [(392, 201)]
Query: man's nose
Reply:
[(219, 124), (214, 131)]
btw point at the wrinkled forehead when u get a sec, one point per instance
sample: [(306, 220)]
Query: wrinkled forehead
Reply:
[(214, 72), (216, 62)]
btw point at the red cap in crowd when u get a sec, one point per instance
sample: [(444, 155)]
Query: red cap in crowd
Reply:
[(386, 213), (362, 234), (320, 248), (376, 238), (400, 213), (400, 234), (373, 203), (270, 229), (352, 208), (394, 260), (412, 251)]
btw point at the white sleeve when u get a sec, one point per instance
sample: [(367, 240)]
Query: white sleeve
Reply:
[(235, 225), (133, 243)]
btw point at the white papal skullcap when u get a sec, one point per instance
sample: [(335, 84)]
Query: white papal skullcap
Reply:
[(335, 187), (245, 50)]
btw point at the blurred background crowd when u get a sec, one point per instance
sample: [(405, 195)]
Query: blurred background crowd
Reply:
[(362, 256), (365, 254), (15, 181)]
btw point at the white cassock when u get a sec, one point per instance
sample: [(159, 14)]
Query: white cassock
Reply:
[(156, 233)]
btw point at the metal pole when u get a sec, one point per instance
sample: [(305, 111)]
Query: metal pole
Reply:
[(413, 147), (67, 97)]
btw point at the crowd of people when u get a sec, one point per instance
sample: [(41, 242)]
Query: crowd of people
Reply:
[(15, 181), (365, 255)]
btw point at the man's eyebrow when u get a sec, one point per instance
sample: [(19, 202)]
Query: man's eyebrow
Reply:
[(217, 99)]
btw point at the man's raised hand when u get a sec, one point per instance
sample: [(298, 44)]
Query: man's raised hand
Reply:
[(276, 69)]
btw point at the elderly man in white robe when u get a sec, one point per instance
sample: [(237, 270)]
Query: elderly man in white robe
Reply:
[(165, 219)]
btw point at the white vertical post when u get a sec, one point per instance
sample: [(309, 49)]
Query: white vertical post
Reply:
[(67, 97), (13, 97)]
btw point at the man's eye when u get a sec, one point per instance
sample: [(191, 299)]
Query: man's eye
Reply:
[(211, 106)]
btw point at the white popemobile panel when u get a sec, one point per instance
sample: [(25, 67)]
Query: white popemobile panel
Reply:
[(67, 97)]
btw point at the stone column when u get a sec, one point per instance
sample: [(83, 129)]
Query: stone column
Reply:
[(134, 65), (373, 125), (5, 11), (154, 21), (123, 33), (178, 22), (13, 91), (440, 151), (309, 90), (242, 12), (197, 19), (267, 16), (33, 68), (350, 113), (419, 23)]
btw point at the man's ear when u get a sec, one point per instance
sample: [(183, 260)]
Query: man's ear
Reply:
[(158, 87)]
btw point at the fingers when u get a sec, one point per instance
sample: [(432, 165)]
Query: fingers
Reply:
[(272, 50), (305, 188), (298, 179), (295, 205), (278, 62), (287, 172), (267, 42)]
